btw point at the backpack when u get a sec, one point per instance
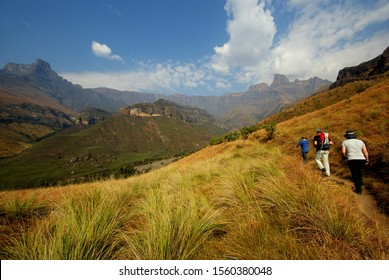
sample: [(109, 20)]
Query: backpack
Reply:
[(325, 141)]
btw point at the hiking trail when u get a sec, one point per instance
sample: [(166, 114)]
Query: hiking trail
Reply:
[(367, 205)]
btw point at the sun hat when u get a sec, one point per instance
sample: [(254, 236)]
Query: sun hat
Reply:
[(350, 134)]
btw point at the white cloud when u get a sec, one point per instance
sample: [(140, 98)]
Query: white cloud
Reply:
[(377, 15), (102, 50), (322, 37), (113, 10), (165, 78), (303, 3), (251, 31)]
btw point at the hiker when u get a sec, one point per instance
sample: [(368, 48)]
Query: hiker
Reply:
[(322, 143), (304, 144), (357, 157)]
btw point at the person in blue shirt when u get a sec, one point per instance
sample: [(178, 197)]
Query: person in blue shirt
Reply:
[(304, 144)]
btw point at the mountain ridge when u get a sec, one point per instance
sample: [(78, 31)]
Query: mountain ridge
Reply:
[(76, 98), (37, 83)]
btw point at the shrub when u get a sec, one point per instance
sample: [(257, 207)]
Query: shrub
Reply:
[(361, 88), (245, 131), (270, 129), (216, 140), (232, 136)]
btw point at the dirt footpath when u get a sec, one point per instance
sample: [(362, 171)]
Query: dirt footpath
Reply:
[(367, 204)]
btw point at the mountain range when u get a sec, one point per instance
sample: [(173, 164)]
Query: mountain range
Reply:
[(38, 84), (36, 103), (20, 81)]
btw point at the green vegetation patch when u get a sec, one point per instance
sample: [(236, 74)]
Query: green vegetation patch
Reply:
[(109, 149)]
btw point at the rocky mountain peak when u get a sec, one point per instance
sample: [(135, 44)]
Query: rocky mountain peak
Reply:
[(262, 87), (279, 80), (39, 63), (38, 67)]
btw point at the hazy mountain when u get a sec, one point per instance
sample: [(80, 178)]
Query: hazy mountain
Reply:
[(234, 110), (36, 102), (261, 100), (256, 103), (21, 78)]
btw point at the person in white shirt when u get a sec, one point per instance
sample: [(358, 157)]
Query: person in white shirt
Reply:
[(357, 157)]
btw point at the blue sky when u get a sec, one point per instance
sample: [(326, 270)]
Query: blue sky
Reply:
[(193, 47)]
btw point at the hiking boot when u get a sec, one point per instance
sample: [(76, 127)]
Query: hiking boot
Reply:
[(358, 191)]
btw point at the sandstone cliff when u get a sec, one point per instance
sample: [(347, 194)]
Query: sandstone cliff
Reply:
[(365, 70), (168, 109)]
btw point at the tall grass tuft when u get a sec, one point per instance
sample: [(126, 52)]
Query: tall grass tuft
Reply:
[(16, 215), (175, 226), (20, 209), (79, 228)]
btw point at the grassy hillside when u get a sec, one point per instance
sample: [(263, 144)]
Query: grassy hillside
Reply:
[(362, 106), (13, 142), (240, 200), (325, 98), (19, 93), (248, 114), (23, 119), (110, 148), (245, 199)]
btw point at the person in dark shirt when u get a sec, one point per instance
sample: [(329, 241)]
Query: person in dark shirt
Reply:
[(304, 144), (322, 152)]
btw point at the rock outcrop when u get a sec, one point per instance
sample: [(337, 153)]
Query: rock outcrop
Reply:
[(169, 109), (39, 66), (365, 70), (35, 115)]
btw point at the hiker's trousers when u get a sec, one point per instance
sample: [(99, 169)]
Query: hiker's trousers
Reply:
[(320, 156), (355, 167)]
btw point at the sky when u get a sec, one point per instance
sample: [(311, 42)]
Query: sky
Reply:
[(192, 47)]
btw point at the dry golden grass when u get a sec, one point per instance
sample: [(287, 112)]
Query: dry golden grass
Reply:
[(240, 200)]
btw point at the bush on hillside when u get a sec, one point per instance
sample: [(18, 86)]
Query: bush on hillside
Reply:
[(270, 129), (216, 140), (361, 88), (247, 130), (243, 133)]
